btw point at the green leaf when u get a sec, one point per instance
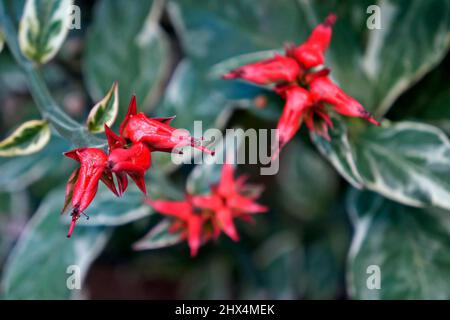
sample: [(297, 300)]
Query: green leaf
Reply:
[(213, 31), (20, 172), (192, 98), (429, 100), (105, 111), (159, 237), (307, 184), (125, 44), (43, 27), (339, 152), (2, 41), (277, 259), (410, 246), (37, 267), (407, 162), (29, 138)]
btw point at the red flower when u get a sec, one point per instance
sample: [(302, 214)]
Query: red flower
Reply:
[(274, 70), (309, 94), (188, 222), (310, 54), (133, 161), (324, 90), (202, 217), (156, 133), (227, 202), (83, 183)]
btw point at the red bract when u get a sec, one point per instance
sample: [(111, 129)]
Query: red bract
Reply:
[(202, 217), (83, 183), (309, 94), (310, 54), (156, 133), (274, 70), (227, 201), (324, 90), (188, 222), (133, 161), (129, 155), (297, 100)]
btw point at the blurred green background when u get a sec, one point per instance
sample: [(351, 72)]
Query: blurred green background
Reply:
[(171, 53)]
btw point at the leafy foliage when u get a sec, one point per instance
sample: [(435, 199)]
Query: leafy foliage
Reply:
[(43, 28), (171, 54)]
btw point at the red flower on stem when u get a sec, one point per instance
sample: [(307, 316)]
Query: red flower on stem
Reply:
[(83, 183), (309, 92), (129, 155)]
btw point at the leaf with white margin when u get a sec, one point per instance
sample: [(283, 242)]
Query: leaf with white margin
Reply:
[(339, 152), (43, 28), (2, 41), (408, 162), (159, 237), (17, 173), (29, 138), (37, 266), (105, 111), (409, 245)]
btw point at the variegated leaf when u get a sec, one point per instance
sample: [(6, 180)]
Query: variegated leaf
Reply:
[(407, 162), (409, 247), (44, 246), (105, 111), (30, 137), (43, 27), (2, 41)]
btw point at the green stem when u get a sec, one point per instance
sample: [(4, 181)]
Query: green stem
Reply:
[(49, 109)]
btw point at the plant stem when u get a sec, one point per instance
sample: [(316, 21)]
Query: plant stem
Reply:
[(64, 125)]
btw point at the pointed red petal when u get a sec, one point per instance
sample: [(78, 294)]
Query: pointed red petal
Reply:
[(178, 209), (69, 189), (108, 180), (114, 140), (132, 110), (73, 154), (138, 178), (225, 220), (194, 237), (227, 183), (122, 182), (165, 120)]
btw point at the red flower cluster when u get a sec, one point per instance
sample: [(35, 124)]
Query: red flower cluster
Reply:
[(129, 155), (200, 218), (300, 78)]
